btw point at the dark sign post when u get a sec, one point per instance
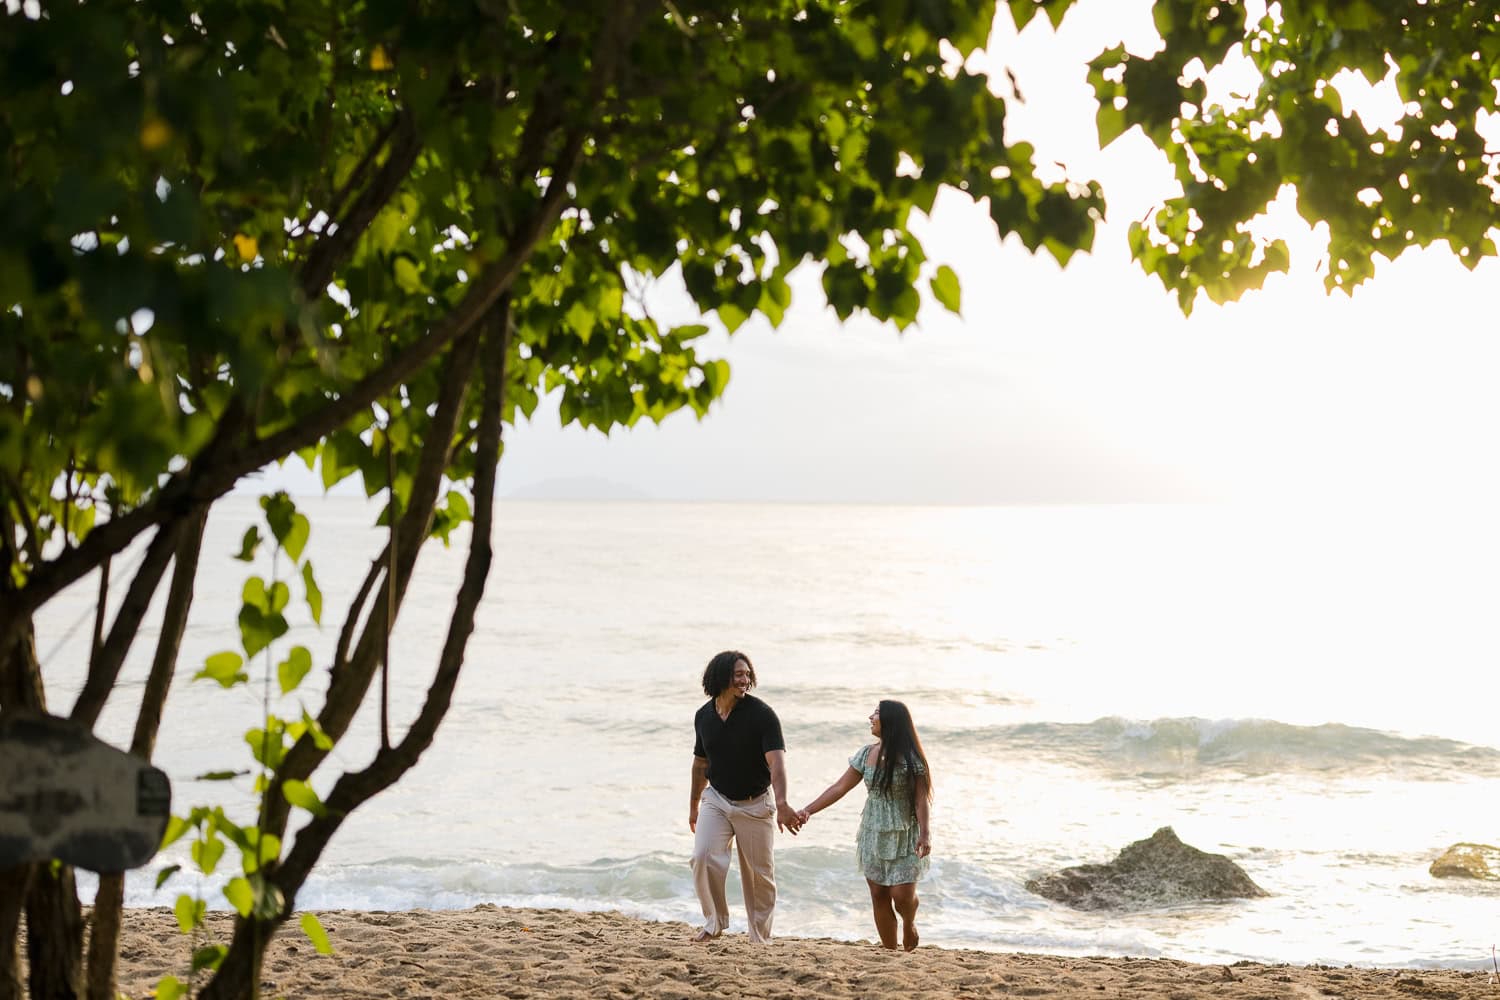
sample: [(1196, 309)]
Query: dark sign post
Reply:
[(65, 794)]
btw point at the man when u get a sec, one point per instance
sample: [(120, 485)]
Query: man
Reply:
[(740, 755)]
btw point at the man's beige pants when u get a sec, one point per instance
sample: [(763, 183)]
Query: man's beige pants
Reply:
[(751, 824)]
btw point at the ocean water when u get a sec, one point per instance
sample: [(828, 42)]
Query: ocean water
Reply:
[(1310, 692)]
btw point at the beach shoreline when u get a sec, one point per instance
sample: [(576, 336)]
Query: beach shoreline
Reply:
[(492, 951)]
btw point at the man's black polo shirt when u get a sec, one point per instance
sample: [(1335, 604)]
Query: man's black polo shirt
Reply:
[(736, 747)]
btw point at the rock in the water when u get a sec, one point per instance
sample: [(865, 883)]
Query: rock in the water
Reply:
[(1479, 861), (1158, 871)]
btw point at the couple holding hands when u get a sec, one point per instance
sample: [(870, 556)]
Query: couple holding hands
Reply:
[(738, 793)]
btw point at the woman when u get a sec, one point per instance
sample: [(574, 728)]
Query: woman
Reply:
[(894, 836)]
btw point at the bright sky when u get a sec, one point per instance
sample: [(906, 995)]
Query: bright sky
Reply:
[(1077, 385)]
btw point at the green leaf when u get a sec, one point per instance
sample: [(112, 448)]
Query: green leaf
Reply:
[(170, 987), (458, 506), (289, 672), (166, 873), (269, 903), (1111, 123), (320, 738), (880, 158), (716, 376), (236, 833), (1021, 12), (313, 928), (240, 896), (945, 289), (223, 668), (280, 510), (266, 746), (189, 912), (408, 278), (301, 795), (296, 536), (206, 853), (388, 228), (279, 597), (264, 847), (209, 956), (176, 827), (314, 595), (732, 316), (254, 594), (249, 544), (259, 629), (1162, 14)]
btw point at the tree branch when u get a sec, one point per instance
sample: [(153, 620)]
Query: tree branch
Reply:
[(334, 248), (175, 499), (304, 757), (25, 521), (104, 926), (476, 573), (104, 666), (101, 609), (169, 642), (12, 558), (357, 175), (356, 606), (348, 686), (354, 789)]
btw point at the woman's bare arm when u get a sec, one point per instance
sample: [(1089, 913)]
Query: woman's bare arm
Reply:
[(924, 830), (833, 792)]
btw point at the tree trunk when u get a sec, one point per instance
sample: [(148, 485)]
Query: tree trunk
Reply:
[(238, 977), (13, 883), (54, 934), (104, 937), (104, 930), (20, 689)]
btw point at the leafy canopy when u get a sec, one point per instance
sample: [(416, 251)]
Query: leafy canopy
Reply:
[(367, 234), (1381, 186), (224, 216)]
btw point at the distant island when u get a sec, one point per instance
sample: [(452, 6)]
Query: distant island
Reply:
[(577, 488)]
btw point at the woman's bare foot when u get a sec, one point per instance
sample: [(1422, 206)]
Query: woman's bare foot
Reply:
[(702, 936), (909, 936)]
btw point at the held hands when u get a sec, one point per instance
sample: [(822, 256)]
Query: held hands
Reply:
[(788, 818), (804, 814)]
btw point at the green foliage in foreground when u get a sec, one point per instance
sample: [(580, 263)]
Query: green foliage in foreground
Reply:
[(1380, 188), (369, 234)]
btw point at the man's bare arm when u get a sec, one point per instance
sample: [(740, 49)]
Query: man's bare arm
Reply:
[(786, 816), (695, 789)]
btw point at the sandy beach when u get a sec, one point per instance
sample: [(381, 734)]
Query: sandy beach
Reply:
[(489, 951)]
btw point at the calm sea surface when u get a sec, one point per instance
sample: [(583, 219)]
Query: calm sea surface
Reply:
[(1312, 693)]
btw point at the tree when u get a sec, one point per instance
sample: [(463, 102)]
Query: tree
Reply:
[(1425, 176), (370, 234)]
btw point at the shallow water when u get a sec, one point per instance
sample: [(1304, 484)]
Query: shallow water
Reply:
[(1307, 692)]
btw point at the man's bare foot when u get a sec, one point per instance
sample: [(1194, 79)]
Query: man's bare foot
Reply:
[(702, 936), (909, 937)]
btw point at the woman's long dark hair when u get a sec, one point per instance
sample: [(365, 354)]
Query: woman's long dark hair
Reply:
[(900, 747)]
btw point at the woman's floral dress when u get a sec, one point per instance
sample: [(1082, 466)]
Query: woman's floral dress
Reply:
[(888, 826)]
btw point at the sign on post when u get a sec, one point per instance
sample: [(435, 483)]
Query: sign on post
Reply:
[(67, 795)]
